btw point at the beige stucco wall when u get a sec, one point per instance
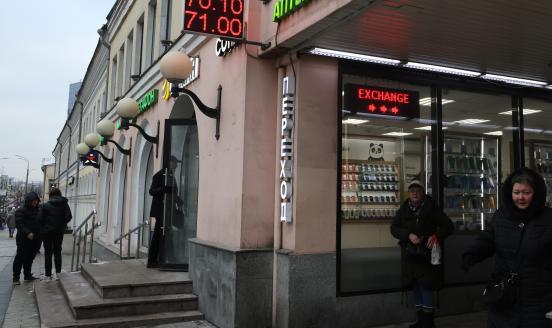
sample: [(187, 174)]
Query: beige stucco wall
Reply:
[(315, 146), (236, 193)]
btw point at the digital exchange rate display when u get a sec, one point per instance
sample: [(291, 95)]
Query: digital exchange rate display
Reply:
[(222, 18)]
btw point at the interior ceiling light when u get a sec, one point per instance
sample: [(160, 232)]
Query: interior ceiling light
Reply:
[(526, 111), (441, 69), (494, 133), (353, 56), (514, 80), (547, 132), (354, 121), (471, 121), (549, 86), (427, 101), (428, 128), (396, 134), (530, 130)]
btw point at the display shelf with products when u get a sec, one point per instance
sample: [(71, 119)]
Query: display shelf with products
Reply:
[(471, 180), (369, 191), (541, 161)]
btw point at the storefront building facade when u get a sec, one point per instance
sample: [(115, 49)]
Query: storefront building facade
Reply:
[(287, 213)]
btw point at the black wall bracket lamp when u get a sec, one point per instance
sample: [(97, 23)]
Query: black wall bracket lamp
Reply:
[(176, 66), (127, 109), (90, 142), (106, 129)]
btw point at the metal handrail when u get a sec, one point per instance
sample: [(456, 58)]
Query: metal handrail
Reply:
[(128, 236), (79, 236)]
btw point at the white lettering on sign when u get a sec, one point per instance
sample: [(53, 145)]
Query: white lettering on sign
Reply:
[(224, 47), (286, 150)]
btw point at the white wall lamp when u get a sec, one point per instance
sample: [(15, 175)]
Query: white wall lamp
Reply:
[(127, 109), (106, 129), (176, 66)]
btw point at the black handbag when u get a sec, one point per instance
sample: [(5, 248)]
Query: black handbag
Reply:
[(502, 292)]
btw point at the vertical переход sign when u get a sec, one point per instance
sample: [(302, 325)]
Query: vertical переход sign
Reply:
[(286, 150)]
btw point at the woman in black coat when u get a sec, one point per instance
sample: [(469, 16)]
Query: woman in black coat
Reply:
[(54, 216), (522, 222), (419, 223), (27, 238)]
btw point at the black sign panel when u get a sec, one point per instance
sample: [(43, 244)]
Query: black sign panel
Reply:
[(381, 101), (222, 18), (92, 158)]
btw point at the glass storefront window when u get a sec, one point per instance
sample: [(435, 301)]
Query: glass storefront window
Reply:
[(380, 155), (538, 139), (477, 131)]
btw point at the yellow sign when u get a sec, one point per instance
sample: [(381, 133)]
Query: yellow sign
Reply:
[(166, 89)]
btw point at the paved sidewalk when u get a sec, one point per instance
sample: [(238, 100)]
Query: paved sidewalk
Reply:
[(18, 303)]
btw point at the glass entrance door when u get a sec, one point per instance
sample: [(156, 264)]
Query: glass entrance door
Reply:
[(181, 161)]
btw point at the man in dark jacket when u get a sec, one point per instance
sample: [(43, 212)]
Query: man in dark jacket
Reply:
[(419, 224), (27, 238), (165, 195), (53, 218), (520, 239)]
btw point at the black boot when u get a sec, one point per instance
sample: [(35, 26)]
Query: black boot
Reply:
[(418, 323), (427, 320)]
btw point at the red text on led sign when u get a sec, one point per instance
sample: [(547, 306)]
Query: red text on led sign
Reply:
[(381, 101), (218, 17)]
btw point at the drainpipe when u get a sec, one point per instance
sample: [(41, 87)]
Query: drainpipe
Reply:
[(57, 161), (68, 157), (103, 36), (77, 192)]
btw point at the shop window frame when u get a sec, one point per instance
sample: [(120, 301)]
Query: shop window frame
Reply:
[(436, 81)]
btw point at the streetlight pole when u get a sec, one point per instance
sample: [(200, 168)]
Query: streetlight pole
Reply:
[(27, 177)]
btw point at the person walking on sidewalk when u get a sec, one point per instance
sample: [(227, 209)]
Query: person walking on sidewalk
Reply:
[(53, 218), (10, 221), (27, 238), (519, 237), (418, 225)]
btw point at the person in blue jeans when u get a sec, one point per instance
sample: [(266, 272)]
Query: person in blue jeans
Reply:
[(418, 225)]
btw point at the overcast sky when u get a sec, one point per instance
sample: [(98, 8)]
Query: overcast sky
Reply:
[(46, 45)]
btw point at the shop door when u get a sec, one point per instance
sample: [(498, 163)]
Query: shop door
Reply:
[(181, 162)]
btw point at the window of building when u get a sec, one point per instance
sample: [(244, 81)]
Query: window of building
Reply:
[(381, 152), (151, 32), (128, 60), (538, 139), (165, 26), (120, 72), (139, 46), (478, 136), (113, 80)]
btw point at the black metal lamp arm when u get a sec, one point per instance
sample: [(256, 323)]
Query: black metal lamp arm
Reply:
[(152, 139), (105, 158), (208, 111), (121, 149)]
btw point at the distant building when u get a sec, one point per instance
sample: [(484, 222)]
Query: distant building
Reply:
[(73, 90)]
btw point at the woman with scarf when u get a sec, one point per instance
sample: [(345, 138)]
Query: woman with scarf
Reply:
[(520, 239), (419, 225)]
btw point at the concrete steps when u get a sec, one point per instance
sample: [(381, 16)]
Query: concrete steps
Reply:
[(137, 297)]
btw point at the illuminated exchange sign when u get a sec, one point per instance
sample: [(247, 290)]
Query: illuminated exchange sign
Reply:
[(381, 101), (286, 150), (283, 8), (217, 17)]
